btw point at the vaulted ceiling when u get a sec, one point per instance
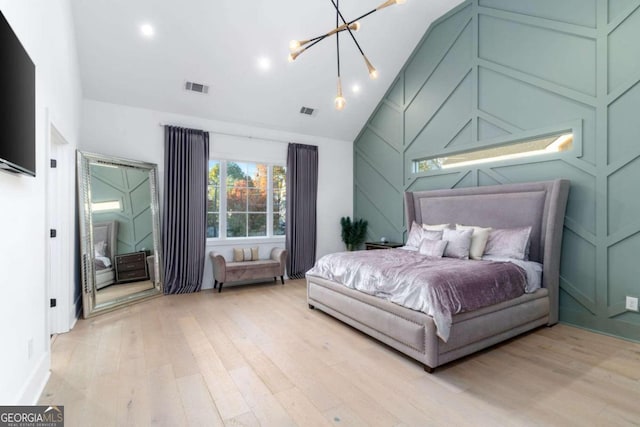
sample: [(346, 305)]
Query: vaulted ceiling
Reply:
[(221, 42)]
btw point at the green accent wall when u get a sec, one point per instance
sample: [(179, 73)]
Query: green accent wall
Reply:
[(131, 188), (492, 71)]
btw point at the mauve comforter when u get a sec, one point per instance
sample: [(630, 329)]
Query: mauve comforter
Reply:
[(439, 287)]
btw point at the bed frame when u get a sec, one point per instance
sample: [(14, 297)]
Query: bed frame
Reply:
[(540, 205)]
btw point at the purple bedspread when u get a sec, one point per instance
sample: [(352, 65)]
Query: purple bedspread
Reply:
[(439, 287)]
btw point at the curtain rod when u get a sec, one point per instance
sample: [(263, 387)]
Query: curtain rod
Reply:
[(233, 134)]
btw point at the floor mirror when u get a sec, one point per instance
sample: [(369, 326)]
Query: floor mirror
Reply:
[(119, 232)]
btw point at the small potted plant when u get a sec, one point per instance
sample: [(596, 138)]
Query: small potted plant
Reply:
[(354, 232)]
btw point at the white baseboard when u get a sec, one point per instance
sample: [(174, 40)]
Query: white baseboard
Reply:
[(31, 391)]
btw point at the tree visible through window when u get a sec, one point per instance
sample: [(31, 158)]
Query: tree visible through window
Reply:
[(239, 195)]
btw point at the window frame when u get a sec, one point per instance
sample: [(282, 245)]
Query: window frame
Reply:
[(574, 127), (222, 213)]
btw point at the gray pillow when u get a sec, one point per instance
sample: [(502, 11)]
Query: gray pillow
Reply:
[(433, 248), (458, 243), (508, 243)]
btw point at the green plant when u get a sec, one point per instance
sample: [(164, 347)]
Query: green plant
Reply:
[(354, 232)]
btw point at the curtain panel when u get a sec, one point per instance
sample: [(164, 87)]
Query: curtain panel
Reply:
[(186, 158), (302, 193)]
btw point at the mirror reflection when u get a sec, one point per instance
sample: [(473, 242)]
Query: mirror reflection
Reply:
[(120, 232)]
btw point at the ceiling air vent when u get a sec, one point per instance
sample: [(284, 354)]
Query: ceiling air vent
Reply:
[(196, 87), (306, 110)]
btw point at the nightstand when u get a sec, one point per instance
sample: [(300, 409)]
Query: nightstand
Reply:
[(131, 266), (380, 245)]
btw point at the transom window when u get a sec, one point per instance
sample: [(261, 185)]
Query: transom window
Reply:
[(246, 199), (532, 147)]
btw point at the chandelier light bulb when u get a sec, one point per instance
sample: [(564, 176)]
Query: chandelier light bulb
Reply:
[(340, 101), (294, 44), (294, 55), (401, 1), (373, 73), (355, 26)]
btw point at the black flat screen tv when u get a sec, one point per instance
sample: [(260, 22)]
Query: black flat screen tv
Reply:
[(17, 104)]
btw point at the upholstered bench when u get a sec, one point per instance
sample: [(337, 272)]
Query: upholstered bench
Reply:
[(224, 271)]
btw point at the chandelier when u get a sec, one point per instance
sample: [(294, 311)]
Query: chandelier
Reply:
[(297, 47)]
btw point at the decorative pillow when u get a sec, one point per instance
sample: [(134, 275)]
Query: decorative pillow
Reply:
[(436, 227), (100, 248), (245, 254), (508, 243), (415, 235), (458, 243), (418, 234), (433, 248), (478, 239)]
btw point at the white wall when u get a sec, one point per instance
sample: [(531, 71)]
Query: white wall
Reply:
[(45, 28), (135, 133)]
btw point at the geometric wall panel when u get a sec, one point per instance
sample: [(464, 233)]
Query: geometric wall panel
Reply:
[(578, 12), (487, 130), (446, 77), (490, 69), (550, 55), (396, 94), (525, 105), (382, 156), (624, 51), (379, 224), (581, 207), (428, 54), (388, 123), (623, 273), (578, 265), (379, 190), (618, 7), (446, 123), (624, 126), (624, 197)]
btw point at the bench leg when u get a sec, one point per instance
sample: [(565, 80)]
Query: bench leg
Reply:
[(428, 369), (220, 288), (282, 278), (215, 283), (275, 279)]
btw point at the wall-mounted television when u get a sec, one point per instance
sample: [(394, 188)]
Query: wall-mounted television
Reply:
[(17, 104)]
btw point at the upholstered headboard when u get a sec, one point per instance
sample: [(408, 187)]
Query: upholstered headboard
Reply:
[(106, 232), (538, 204)]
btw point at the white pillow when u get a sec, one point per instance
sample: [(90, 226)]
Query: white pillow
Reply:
[(100, 248), (478, 239), (433, 248), (436, 227)]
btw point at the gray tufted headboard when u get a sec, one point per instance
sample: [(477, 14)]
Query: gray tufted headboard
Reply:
[(538, 204)]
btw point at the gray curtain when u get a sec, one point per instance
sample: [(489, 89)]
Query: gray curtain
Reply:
[(302, 192), (186, 159)]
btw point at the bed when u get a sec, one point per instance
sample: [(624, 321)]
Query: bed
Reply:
[(539, 205), (105, 235)]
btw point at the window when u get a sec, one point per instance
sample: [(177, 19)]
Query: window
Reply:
[(246, 199), (549, 144)]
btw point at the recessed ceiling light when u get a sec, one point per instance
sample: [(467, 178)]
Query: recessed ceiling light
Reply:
[(355, 88), (264, 63), (147, 30)]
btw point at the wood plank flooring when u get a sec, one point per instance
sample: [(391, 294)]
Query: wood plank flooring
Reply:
[(256, 355)]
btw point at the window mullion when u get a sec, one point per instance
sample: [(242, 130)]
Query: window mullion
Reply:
[(223, 199)]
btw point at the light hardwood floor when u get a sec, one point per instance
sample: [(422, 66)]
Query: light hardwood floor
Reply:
[(256, 355)]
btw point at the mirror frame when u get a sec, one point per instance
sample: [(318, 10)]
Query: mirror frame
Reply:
[(90, 308)]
